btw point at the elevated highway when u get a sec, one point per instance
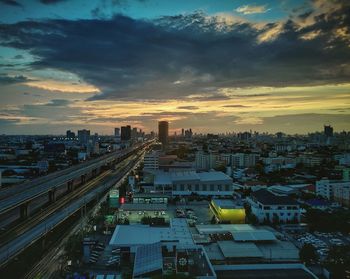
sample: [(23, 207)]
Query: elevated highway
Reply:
[(22, 194)]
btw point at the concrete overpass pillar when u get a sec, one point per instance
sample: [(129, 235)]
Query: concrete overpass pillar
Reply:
[(94, 172), (83, 210), (52, 196), (24, 210), (83, 179), (70, 185)]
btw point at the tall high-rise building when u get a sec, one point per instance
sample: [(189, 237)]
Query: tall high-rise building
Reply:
[(125, 133), (134, 133), (328, 130), (84, 136), (117, 132), (70, 134), (163, 132)]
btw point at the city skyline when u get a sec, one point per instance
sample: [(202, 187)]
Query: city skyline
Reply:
[(232, 66)]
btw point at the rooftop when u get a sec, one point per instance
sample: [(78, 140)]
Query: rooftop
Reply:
[(226, 204), (178, 176), (134, 235), (267, 198), (240, 232), (143, 207), (231, 249)]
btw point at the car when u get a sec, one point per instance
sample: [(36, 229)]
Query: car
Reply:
[(116, 251), (140, 212)]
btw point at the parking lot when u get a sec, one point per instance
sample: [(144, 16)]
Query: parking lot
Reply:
[(136, 216), (322, 241), (200, 212)]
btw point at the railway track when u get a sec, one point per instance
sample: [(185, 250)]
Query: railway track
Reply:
[(42, 215), (46, 266)]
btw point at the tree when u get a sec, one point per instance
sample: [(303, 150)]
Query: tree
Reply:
[(308, 254), (338, 261), (252, 219)]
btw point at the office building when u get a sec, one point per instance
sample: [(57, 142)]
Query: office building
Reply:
[(84, 136), (184, 183), (205, 161), (70, 134), (117, 132), (332, 189), (151, 161), (163, 132), (328, 131), (125, 133)]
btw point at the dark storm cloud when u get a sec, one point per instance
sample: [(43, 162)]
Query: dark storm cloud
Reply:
[(50, 2), (11, 3), (56, 109), (178, 56), (6, 79), (19, 56)]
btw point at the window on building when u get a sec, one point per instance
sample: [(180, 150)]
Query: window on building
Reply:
[(211, 187), (197, 187), (204, 187)]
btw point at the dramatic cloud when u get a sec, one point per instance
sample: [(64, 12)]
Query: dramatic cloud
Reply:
[(58, 103), (186, 55), (249, 9), (6, 79), (49, 2), (19, 56), (188, 107), (235, 106), (11, 3)]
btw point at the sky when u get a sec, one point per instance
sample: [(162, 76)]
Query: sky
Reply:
[(211, 65)]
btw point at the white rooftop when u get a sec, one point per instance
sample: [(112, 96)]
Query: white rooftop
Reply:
[(240, 232), (162, 178), (134, 235)]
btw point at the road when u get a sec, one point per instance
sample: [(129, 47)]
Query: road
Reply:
[(19, 194), (15, 246), (50, 262)]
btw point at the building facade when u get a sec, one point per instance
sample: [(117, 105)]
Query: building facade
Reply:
[(163, 132), (268, 207), (185, 183)]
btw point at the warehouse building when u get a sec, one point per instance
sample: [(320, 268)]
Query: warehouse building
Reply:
[(227, 211)]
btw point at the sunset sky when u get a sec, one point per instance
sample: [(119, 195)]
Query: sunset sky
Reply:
[(210, 65)]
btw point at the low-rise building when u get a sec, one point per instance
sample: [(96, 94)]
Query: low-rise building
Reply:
[(184, 183), (326, 188), (227, 211), (269, 207), (151, 161)]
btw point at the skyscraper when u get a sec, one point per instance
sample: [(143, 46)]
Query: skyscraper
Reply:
[(125, 133), (84, 136), (328, 131), (163, 131), (117, 132), (70, 134)]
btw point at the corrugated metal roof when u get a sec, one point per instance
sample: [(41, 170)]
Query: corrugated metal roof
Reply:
[(231, 249), (148, 258)]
